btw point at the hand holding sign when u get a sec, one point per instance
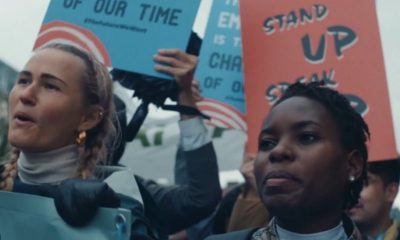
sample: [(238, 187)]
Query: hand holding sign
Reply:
[(196, 91), (181, 66)]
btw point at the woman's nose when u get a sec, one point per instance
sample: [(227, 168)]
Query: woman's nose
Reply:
[(281, 152), (28, 95)]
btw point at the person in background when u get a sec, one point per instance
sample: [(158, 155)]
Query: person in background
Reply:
[(310, 166), (248, 210), (195, 199), (372, 213), (176, 207), (241, 206)]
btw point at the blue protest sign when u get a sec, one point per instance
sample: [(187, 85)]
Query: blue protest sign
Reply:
[(220, 67), (25, 216), (122, 34)]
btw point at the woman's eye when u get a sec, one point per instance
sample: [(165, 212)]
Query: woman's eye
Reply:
[(266, 144), (23, 81), (307, 138), (51, 86)]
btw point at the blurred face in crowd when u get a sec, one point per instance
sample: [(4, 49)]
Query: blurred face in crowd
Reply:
[(46, 103), (375, 202), (301, 167)]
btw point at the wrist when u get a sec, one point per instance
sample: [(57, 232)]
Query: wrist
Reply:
[(186, 99)]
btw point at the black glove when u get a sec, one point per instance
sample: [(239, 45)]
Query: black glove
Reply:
[(76, 201)]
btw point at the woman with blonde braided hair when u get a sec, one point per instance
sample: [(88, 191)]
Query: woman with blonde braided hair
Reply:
[(63, 97), (61, 125)]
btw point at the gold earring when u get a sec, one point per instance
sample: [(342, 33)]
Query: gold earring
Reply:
[(81, 138)]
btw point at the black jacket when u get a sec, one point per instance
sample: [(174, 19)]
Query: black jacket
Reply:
[(175, 208)]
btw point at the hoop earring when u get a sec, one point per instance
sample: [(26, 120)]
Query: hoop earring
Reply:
[(81, 138)]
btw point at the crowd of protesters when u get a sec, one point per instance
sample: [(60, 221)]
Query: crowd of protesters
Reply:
[(310, 178)]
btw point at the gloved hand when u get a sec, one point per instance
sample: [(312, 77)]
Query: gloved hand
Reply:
[(76, 201)]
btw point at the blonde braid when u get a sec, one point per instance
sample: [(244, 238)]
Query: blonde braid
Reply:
[(95, 151), (10, 171), (92, 156)]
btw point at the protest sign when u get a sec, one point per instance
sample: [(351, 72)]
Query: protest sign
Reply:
[(328, 40), (122, 34), (25, 216), (220, 67)]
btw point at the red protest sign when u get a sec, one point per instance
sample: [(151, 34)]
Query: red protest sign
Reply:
[(286, 41)]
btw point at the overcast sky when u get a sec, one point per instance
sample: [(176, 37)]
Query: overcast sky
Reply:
[(20, 21)]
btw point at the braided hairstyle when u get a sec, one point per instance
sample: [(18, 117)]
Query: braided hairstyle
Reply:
[(97, 85), (353, 130), (9, 171), (97, 90)]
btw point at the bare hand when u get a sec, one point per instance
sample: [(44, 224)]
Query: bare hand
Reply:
[(196, 91), (247, 170), (181, 66)]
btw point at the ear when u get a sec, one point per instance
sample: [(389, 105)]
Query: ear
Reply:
[(91, 118), (391, 191), (355, 164)]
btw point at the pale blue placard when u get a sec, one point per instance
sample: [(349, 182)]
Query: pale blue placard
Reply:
[(220, 67), (25, 216), (131, 30)]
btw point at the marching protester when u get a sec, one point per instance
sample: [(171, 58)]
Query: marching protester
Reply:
[(182, 205), (372, 213), (310, 166), (61, 126), (198, 196)]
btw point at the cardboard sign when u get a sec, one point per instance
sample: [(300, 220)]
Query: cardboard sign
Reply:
[(288, 41), (122, 34), (25, 216), (220, 67)]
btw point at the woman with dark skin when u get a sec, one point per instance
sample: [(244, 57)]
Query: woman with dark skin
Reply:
[(310, 166)]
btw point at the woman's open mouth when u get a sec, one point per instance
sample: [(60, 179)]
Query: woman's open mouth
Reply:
[(23, 119)]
